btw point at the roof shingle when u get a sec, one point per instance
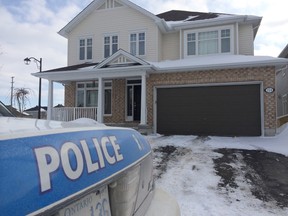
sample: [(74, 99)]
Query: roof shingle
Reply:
[(178, 15)]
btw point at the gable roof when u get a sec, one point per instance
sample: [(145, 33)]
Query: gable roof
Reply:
[(121, 58), (171, 20), (97, 4)]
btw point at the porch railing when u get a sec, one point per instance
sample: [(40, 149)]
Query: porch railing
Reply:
[(72, 113)]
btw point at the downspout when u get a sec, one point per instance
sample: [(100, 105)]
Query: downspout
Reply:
[(181, 45), (100, 100), (143, 118), (237, 38)]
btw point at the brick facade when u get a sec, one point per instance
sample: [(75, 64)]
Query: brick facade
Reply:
[(118, 102), (265, 75), (70, 94)]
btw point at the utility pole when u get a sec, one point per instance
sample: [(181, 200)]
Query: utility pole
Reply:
[(12, 89)]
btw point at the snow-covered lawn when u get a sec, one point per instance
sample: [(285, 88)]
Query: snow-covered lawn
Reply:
[(191, 178)]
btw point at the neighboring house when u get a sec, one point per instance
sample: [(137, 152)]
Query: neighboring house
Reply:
[(282, 90), (178, 72), (34, 112), (16, 113)]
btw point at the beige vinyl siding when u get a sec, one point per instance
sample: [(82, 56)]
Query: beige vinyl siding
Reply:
[(160, 45), (170, 46), (121, 21), (246, 40)]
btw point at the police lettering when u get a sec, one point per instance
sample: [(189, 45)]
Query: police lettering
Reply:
[(49, 159)]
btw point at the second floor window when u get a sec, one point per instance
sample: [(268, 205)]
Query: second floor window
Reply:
[(137, 43), (85, 49), (208, 42), (110, 45)]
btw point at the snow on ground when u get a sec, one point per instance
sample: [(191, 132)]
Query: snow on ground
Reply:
[(191, 178)]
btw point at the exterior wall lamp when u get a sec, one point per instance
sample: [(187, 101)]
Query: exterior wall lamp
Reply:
[(27, 62)]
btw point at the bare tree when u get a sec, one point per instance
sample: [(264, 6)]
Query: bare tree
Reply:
[(21, 96)]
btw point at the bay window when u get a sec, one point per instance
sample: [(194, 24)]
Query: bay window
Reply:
[(87, 95), (214, 41)]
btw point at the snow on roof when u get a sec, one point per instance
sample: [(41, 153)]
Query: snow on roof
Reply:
[(218, 62), (191, 20)]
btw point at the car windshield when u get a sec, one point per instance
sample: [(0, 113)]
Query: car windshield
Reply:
[(4, 111)]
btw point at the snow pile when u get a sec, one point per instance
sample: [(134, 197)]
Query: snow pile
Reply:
[(83, 122), (277, 144), (191, 178)]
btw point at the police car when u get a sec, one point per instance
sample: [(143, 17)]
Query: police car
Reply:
[(76, 168)]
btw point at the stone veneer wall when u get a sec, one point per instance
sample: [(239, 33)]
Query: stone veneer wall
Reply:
[(239, 75)]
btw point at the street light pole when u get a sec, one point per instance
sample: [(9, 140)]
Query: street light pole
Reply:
[(12, 89), (27, 62)]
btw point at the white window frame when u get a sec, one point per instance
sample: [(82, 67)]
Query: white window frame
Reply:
[(85, 46), (110, 36), (137, 33), (196, 32), (107, 86)]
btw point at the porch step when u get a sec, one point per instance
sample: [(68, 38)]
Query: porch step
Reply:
[(143, 129)]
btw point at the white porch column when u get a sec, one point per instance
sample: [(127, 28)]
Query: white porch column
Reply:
[(50, 100), (100, 100), (143, 119)]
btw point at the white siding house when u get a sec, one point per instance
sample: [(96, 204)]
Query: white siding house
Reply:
[(178, 72)]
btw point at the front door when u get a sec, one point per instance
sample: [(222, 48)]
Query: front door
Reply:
[(133, 108)]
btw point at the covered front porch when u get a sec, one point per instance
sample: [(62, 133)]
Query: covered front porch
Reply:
[(125, 77), (73, 113)]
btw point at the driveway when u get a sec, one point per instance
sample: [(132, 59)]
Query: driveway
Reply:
[(266, 172), (220, 181)]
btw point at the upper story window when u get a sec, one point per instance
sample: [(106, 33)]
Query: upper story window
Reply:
[(85, 49), (208, 42), (110, 45), (137, 43)]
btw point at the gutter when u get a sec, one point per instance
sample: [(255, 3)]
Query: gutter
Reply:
[(189, 68), (217, 21), (86, 74)]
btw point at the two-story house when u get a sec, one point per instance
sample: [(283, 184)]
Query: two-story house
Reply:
[(177, 72)]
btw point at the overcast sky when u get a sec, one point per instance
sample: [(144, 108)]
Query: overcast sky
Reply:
[(28, 28)]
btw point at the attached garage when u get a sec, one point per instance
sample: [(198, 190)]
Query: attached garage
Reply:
[(227, 110)]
